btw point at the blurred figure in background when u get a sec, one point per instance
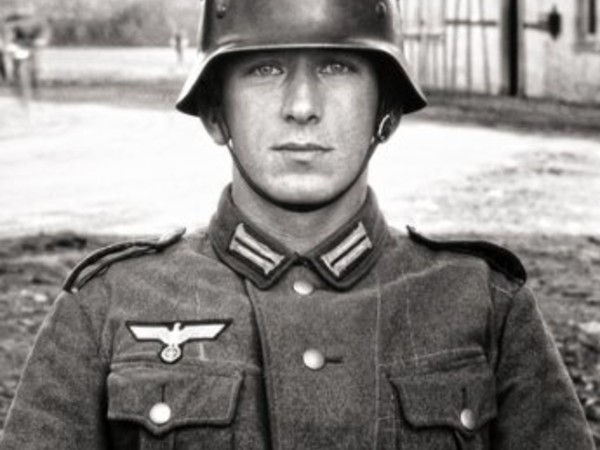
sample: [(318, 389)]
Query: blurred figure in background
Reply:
[(3, 56), (25, 34), (179, 41), (3, 73)]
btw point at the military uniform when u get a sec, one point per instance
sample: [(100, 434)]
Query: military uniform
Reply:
[(376, 339)]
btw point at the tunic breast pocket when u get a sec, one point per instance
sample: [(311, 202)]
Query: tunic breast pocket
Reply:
[(446, 409), (153, 406)]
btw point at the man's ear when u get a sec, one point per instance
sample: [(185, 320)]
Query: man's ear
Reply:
[(212, 118), (387, 124)]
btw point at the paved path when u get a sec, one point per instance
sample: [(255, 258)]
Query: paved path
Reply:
[(104, 169)]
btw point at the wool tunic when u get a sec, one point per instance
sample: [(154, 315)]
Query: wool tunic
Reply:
[(226, 339)]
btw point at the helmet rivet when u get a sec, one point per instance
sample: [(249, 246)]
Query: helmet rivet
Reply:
[(381, 9), (221, 9)]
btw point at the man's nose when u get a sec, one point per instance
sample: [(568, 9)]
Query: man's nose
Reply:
[(302, 98)]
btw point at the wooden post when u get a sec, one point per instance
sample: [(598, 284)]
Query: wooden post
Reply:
[(469, 47), (486, 59), (444, 45), (511, 32), (432, 42), (408, 20), (455, 45), (422, 44)]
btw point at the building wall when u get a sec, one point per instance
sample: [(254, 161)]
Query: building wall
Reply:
[(454, 58), (566, 68)]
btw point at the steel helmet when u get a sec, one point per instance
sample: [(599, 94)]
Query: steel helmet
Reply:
[(230, 26)]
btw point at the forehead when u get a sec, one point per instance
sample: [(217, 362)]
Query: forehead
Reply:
[(316, 55)]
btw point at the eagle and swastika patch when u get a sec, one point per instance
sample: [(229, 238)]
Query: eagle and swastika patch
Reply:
[(174, 335)]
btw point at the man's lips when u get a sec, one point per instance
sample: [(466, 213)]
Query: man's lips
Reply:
[(301, 147)]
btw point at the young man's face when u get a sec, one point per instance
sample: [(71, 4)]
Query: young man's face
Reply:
[(301, 121)]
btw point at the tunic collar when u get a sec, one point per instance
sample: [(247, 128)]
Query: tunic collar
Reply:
[(341, 259)]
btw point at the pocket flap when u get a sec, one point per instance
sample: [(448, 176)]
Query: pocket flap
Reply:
[(464, 399), (184, 395)]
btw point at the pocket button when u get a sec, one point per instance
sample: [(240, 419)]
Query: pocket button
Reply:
[(467, 419), (160, 413), (313, 359)]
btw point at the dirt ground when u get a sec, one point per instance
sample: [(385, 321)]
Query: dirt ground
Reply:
[(525, 174)]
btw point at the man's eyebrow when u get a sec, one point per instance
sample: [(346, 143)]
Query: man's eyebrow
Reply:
[(253, 59)]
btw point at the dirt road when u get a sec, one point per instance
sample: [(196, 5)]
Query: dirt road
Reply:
[(87, 167)]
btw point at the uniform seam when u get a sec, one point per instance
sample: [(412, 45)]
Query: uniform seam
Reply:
[(108, 291), (493, 332), (97, 334), (410, 326), (377, 360), (89, 326), (442, 352), (501, 290), (197, 306), (500, 332), (266, 360)]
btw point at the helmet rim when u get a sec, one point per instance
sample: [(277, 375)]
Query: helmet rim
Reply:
[(231, 26), (190, 99)]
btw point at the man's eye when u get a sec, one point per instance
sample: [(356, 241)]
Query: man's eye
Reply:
[(335, 68), (266, 70)]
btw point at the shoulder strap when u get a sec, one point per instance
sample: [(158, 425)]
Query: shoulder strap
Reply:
[(498, 258), (100, 260)]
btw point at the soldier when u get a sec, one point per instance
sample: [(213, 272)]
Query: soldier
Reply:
[(179, 42), (27, 34), (298, 319)]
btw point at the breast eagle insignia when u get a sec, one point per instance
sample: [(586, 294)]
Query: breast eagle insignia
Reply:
[(173, 335)]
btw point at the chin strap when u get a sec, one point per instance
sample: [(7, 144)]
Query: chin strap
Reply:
[(381, 135)]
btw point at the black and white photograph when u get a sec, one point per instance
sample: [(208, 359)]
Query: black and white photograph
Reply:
[(299, 224)]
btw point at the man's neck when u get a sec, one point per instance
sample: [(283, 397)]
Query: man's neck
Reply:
[(299, 231)]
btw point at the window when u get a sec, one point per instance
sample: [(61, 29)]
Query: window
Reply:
[(589, 29)]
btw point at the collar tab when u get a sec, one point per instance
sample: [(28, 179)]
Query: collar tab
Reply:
[(341, 260), (246, 246), (348, 251)]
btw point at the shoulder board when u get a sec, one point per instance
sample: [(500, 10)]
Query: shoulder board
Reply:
[(100, 260), (498, 258)]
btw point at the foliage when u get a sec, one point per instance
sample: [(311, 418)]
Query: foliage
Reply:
[(147, 22)]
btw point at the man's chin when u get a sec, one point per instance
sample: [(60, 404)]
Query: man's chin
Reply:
[(302, 198)]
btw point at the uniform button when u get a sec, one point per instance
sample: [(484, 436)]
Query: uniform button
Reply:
[(160, 413), (303, 287), (467, 419), (313, 359)]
